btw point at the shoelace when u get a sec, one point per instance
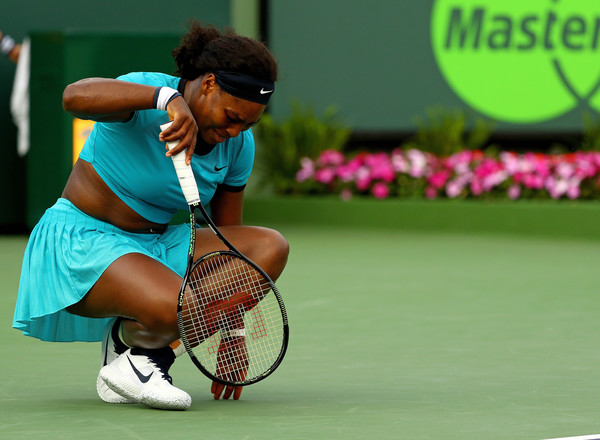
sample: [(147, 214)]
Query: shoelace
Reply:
[(163, 365), (161, 358)]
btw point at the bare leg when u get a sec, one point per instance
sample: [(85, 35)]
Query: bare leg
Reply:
[(141, 289)]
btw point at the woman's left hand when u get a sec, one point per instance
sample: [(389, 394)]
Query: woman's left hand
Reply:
[(232, 364)]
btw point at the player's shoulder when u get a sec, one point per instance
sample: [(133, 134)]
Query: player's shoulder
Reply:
[(151, 78), (245, 137)]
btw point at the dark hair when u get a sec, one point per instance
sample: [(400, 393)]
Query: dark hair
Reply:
[(204, 49)]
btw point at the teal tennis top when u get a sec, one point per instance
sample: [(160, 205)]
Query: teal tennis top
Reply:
[(129, 157)]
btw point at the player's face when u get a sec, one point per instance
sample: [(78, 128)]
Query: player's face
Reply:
[(221, 116)]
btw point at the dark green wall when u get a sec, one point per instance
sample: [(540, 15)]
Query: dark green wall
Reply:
[(367, 57)]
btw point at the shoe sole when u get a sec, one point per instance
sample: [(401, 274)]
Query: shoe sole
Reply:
[(126, 389), (175, 404), (108, 395), (121, 387)]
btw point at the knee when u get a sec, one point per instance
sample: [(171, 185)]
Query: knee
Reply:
[(162, 324), (277, 245), (270, 251)]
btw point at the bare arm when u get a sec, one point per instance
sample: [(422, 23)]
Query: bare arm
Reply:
[(226, 208), (106, 100)]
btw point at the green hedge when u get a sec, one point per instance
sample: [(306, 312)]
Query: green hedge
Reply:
[(570, 220)]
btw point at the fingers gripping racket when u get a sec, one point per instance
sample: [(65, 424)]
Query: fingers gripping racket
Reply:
[(231, 317)]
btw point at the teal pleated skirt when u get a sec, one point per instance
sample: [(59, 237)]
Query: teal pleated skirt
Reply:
[(67, 252)]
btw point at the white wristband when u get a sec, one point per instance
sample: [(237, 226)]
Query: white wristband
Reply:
[(163, 96)]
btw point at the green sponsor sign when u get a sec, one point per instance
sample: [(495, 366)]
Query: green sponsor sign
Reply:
[(519, 61)]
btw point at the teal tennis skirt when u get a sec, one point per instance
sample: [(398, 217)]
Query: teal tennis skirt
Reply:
[(67, 252)]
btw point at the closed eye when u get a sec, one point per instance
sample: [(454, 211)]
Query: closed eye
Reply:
[(235, 119), (231, 117)]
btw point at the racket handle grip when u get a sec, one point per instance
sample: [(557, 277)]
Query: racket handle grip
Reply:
[(187, 181)]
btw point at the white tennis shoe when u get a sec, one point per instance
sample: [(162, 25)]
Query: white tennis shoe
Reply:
[(142, 376), (112, 347)]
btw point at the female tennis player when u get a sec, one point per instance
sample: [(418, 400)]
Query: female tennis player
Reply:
[(103, 263)]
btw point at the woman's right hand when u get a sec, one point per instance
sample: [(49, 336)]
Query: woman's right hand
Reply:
[(183, 129)]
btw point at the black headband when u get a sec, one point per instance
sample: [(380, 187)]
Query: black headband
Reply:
[(245, 86)]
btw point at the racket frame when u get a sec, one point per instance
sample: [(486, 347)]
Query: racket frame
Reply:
[(194, 203), (191, 264)]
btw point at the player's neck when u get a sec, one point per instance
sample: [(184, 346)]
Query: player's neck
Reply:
[(202, 148)]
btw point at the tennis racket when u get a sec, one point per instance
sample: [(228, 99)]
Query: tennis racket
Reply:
[(231, 317)]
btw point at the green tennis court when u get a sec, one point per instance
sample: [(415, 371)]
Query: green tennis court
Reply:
[(396, 333)]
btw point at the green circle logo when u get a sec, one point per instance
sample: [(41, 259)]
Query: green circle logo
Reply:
[(520, 61)]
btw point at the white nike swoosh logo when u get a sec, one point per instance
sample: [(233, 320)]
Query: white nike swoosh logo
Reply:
[(264, 92)]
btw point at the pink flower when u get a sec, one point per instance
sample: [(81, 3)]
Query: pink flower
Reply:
[(556, 187), (454, 188), (533, 181), (381, 167), (431, 193), (347, 172), (466, 172), (476, 187), (565, 170), (306, 171), (540, 162), (460, 162), (490, 172), (418, 163), (399, 163), (325, 175), (380, 190), (331, 157), (514, 192), (510, 161), (518, 177), (438, 179), (363, 179), (573, 192), (494, 179)]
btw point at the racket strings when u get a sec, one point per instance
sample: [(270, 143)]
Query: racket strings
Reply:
[(231, 318)]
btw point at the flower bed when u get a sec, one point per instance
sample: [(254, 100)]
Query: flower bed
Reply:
[(467, 174)]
